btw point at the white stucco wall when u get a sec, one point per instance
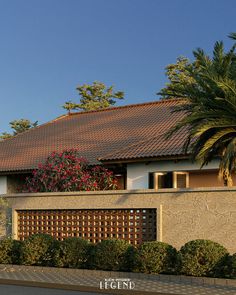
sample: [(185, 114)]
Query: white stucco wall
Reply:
[(3, 185), (137, 173)]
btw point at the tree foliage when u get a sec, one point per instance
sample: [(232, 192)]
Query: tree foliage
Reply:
[(69, 106), (94, 97), (210, 107), (67, 171), (5, 135), (19, 126), (178, 73)]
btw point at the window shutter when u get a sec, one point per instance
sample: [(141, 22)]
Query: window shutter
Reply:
[(181, 179)]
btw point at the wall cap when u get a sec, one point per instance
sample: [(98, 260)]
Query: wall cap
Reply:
[(123, 192)]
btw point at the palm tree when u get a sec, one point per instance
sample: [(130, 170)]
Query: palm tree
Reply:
[(210, 108)]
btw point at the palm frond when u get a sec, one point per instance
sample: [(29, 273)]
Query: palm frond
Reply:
[(210, 108), (232, 36)]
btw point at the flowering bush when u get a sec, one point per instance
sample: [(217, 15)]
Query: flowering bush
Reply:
[(67, 171)]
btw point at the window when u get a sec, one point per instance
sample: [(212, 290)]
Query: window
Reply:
[(180, 179), (163, 180), (159, 180)]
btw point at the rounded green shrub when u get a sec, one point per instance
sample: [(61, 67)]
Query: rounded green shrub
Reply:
[(16, 251), (72, 252), (6, 248), (201, 258), (9, 251), (109, 254), (232, 266), (228, 267), (154, 257), (38, 249)]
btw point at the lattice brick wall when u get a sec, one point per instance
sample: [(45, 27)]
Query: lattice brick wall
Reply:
[(134, 225)]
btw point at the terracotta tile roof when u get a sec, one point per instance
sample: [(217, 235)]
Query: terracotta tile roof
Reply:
[(156, 146), (128, 132)]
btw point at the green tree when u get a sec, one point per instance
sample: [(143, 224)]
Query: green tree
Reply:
[(69, 106), (210, 108), (177, 73), (5, 135), (94, 97), (19, 126)]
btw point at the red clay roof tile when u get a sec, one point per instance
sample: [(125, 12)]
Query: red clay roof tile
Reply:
[(128, 132)]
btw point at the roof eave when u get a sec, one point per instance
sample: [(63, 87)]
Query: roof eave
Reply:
[(144, 159), (20, 171)]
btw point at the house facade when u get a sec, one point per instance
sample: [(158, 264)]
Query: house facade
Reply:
[(130, 140), (162, 195)]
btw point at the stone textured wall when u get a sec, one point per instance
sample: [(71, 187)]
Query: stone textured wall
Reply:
[(182, 215), (5, 219), (3, 232)]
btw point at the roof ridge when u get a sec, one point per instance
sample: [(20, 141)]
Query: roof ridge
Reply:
[(94, 111), (127, 106)]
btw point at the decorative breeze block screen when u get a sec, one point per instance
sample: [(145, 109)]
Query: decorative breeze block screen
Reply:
[(133, 225)]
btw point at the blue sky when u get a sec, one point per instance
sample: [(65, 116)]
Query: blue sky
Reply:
[(48, 47)]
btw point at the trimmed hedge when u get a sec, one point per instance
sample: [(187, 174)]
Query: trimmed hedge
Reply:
[(72, 252), (202, 258), (16, 251), (39, 249), (231, 267), (154, 257), (109, 254), (9, 251), (195, 258), (228, 269)]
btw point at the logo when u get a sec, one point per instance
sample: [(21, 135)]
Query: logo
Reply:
[(119, 284)]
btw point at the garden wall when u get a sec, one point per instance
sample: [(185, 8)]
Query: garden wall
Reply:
[(180, 215)]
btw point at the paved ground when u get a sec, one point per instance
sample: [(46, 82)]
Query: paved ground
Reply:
[(20, 290), (84, 280)]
